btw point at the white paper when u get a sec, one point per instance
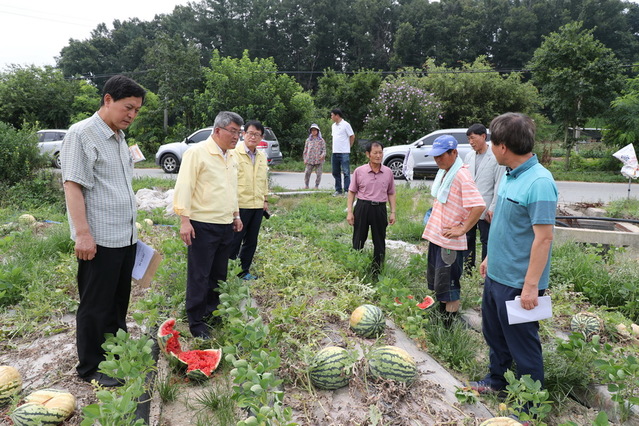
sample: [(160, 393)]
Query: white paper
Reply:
[(628, 157), (143, 256), (136, 153), (518, 315)]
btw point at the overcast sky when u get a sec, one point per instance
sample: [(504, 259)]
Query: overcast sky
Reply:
[(35, 31)]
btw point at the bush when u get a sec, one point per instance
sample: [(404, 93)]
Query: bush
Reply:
[(19, 154), (401, 114), (42, 188)]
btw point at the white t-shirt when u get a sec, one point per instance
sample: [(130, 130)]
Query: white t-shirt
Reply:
[(342, 132)]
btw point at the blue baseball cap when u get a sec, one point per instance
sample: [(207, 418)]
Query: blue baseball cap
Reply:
[(442, 144)]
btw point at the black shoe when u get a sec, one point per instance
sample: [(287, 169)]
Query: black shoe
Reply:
[(103, 380)]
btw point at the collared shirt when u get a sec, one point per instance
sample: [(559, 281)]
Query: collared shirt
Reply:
[(342, 132), (463, 196), (527, 196), (94, 158), (206, 187), (314, 150), (487, 174), (248, 152), (252, 183), (371, 186)]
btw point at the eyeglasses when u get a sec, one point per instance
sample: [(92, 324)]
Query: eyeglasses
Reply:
[(234, 132), (253, 135)]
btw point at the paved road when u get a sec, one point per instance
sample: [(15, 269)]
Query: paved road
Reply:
[(569, 192)]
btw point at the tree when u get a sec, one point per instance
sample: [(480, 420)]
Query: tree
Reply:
[(255, 90), (476, 93), (578, 77), (622, 120), (353, 94), (30, 94)]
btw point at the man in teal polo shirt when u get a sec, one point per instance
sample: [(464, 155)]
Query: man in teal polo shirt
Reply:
[(519, 249)]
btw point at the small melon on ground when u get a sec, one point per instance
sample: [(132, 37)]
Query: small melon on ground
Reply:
[(26, 219), (586, 323), (10, 383), (392, 363), (199, 364), (331, 368), (368, 321), (500, 421), (44, 407)]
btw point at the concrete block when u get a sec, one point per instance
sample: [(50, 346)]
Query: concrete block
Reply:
[(596, 212)]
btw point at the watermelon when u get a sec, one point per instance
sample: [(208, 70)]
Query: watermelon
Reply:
[(586, 323), (500, 421), (44, 407), (392, 363), (368, 321), (427, 303), (331, 368), (198, 364), (10, 383)]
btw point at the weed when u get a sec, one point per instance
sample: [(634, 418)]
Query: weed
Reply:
[(622, 373), (167, 388), (217, 402), (526, 399)]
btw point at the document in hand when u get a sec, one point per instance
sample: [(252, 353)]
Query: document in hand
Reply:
[(517, 314)]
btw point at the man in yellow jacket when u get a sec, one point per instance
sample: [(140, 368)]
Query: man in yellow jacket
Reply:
[(206, 200), (252, 188)]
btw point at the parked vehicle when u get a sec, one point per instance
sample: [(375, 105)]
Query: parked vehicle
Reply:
[(169, 156), (50, 143), (423, 164)]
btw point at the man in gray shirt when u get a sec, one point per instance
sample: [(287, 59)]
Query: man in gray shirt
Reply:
[(486, 173), (97, 169)]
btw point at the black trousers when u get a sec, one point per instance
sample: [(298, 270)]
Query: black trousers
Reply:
[(471, 237), (373, 216), (104, 286), (207, 263), (245, 241)]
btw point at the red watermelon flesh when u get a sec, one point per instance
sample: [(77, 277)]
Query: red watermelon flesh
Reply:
[(170, 337), (205, 361), (427, 303)]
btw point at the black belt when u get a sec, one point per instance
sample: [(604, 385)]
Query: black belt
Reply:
[(372, 203)]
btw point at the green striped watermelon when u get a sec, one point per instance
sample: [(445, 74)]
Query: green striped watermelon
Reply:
[(10, 383), (199, 364), (368, 321), (586, 323), (331, 368), (392, 363), (34, 414)]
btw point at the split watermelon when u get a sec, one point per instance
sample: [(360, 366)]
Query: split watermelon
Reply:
[(199, 364)]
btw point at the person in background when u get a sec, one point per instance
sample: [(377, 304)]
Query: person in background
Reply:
[(519, 251), (486, 173), (343, 139), (457, 206), (314, 155), (97, 170), (373, 185), (205, 199), (252, 195)]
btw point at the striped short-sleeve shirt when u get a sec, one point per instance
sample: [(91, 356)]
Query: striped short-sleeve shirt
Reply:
[(463, 196), (94, 158)]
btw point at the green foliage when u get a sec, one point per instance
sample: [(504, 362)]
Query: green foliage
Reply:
[(622, 372), (476, 93), (590, 273), (577, 75), (43, 188), (353, 94), (527, 400), (569, 367), (255, 90), (627, 208), (401, 113), (622, 119), (19, 155), (28, 93), (85, 102), (127, 359)]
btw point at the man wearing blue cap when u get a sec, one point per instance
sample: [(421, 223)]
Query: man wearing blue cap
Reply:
[(457, 206)]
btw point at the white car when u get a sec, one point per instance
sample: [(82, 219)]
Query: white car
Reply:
[(423, 164), (50, 142), (169, 156)]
